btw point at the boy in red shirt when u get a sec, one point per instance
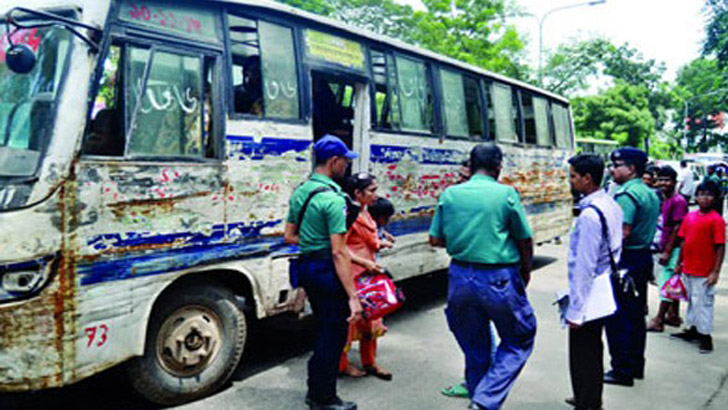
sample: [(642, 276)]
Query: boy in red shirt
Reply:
[(703, 236)]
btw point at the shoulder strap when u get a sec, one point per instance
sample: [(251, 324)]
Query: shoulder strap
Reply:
[(628, 195), (307, 201), (605, 234)]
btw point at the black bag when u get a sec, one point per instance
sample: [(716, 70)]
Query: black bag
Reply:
[(622, 284), (352, 212)]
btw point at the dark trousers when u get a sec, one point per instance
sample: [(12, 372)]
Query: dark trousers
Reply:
[(586, 364), (626, 329), (477, 296), (330, 305)]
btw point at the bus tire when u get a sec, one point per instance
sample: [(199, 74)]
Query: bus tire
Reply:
[(194, 342)]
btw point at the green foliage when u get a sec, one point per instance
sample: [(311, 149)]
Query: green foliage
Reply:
[(571, 66), (621, 113), (716, 31)]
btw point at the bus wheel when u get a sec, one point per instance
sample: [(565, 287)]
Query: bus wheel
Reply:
[(194, 342)]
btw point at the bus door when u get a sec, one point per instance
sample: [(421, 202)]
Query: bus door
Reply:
[(338, 109)]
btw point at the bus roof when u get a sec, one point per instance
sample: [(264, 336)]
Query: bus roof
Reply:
[(338, 25), (596, 141)]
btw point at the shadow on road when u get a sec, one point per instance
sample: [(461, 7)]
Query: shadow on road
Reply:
[(270, 343)]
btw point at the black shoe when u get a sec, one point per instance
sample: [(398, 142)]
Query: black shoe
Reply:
[(639, 376), (690, 335), (475, 406), (571, 401), (706, 344), (611, 377), (335, 404)]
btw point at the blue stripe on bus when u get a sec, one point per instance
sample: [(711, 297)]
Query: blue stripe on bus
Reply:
[(245, 147), (388, 154)]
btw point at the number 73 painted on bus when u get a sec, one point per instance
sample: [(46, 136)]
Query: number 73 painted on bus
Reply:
[(148, 150)]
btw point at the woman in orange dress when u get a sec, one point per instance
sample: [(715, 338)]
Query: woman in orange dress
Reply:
[(363, 243)]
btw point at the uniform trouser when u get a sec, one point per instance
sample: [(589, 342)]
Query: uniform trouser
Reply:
[(626, 329), (330, 306), (477, 296), (586, 364)]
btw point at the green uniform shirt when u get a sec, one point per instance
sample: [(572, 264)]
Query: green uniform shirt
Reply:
[(325, 215), (480, 220), (714, 178), (641, 212)]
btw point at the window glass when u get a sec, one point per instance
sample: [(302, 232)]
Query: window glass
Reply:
[(165, 111), (529, 122), (264, 69), (473, 107), (453, 104), (562, 125), (541, 116), (106, 136), (414, 95), (503, 112)]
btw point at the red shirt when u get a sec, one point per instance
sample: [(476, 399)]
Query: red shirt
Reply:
[(700, 233)]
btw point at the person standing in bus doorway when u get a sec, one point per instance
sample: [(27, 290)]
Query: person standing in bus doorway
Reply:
[(491, 246), (626, 330), (713, 176), (589, 256), (324, 267)]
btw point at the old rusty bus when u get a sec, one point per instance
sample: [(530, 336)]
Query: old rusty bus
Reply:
[(148, 150)]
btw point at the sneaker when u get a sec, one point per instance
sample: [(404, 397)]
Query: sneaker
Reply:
[(690, 335), (706, 344)]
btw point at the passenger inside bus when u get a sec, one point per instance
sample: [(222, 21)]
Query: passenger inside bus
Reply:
[(105, 138), (330, 114), (249, 94)]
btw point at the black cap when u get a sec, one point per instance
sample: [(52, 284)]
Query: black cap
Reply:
[(630, 155)]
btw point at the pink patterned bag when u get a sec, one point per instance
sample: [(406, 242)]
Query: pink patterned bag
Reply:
[(674, 289), (378, 295)]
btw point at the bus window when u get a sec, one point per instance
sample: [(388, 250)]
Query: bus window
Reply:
[(473, 107), (562, 125), (415, 95), (385, 91), (502, 113), (263, 69), (535, 119), (165, 110), (453, 104), (106, 135)]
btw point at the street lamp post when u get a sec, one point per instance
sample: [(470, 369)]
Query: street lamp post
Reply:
[(540, 30)]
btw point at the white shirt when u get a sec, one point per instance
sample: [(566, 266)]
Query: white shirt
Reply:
[(685, 176)]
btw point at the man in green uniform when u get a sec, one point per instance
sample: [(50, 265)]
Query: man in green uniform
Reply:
[(713, 176), (491, 248), (626, 329), (324, 267)]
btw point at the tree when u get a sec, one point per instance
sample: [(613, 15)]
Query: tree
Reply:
[(621, 113), (572, 65), (716, 31)]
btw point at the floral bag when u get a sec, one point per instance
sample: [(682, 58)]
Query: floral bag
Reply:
[(378, 295), (674, 289)]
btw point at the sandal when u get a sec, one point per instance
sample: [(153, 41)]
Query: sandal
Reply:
[(456, 390), (654, 326), (352, 371), (378, 372)]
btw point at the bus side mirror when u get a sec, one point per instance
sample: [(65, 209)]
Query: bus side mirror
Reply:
[(20, 58)]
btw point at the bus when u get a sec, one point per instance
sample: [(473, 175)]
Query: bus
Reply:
[(596, 146), (148, 150)]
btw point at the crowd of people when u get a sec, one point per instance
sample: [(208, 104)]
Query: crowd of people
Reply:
[(491, 248)]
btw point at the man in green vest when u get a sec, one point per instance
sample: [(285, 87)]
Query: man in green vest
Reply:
[(324, 267), (626, 329)]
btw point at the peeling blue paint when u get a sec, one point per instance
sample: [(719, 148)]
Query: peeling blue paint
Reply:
[(245, 147), (388, 154)]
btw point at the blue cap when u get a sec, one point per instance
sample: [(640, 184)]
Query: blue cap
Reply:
[(630, 155), (330, 146)]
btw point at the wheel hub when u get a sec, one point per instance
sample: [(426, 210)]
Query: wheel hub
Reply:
[(188, 340)]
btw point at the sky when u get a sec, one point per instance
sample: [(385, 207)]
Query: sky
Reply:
[(670, 31)]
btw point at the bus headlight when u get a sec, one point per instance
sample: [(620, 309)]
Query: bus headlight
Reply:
[(24, 279)]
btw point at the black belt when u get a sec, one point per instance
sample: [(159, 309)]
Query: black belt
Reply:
[(319, 254), (477, 265)]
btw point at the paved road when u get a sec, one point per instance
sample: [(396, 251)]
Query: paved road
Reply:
[(424, 357)]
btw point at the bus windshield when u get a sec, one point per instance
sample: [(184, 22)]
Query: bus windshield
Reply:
[(27, 101)]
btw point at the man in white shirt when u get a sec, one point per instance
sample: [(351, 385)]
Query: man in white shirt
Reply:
[(685, 182)]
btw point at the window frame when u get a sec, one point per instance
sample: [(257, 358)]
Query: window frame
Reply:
[(479, 80), (552, 136), (304, 109), (123, 36)]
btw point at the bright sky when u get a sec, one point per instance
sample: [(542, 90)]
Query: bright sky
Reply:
[(667, 30)]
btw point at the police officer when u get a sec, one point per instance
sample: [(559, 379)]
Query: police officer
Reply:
[(324, 267), (483, 226), (626, 329)]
